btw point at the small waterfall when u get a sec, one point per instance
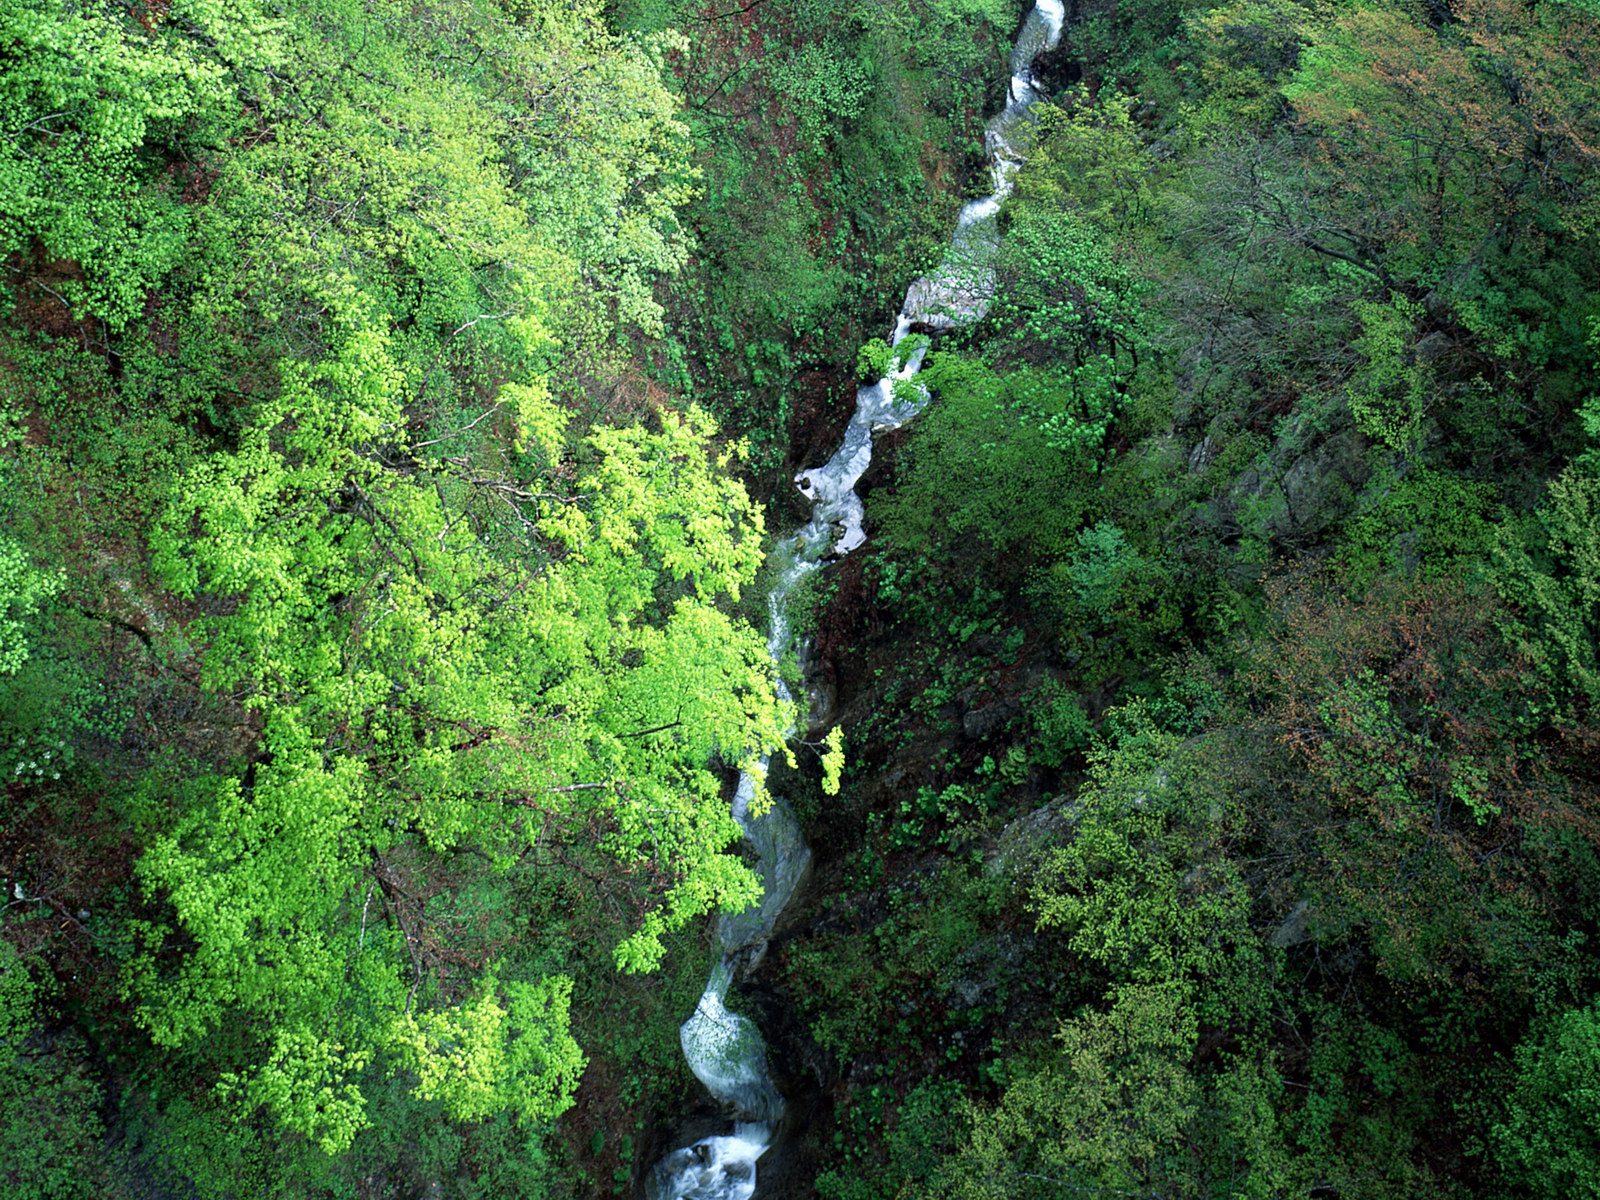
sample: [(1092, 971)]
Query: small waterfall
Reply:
[(723, 1049)]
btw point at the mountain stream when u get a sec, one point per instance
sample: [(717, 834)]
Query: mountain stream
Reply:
[(724, 1049)]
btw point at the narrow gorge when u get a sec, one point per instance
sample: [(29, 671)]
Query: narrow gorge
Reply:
[(725, 1050)]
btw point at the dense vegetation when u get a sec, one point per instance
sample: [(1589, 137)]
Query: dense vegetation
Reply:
[(1224, 814), (383, 392)]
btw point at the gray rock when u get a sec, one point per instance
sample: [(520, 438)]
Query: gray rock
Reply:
[(1320, 486), (1047, 826), (1293, 931), (983, 722), (1306, 483), (985, 964)]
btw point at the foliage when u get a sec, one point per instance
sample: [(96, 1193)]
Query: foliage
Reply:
[(873, 360), (1387, 396), (351, 578), (1553, 574), (1145, 887), (1430, 523), (49, 1099), (1243, 52), (1281, 288), (94, 95), (51, 1132), (1010, 499), (1551, 1138), (376, 621), (484, 1057), (1062, 727), (1101, 567), (861, 979), (348, 270), (1065, 289), (928, 1126), (1405, 710), (24, 589), (833, 760), (1111, 1116)]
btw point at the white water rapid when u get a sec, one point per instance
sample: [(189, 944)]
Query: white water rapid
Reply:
[(723, 1049)]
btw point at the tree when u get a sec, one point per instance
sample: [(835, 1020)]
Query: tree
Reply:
[(1145, 887), (1552, 573), (88, 93), (1550, 1139), (440, 657), (1412, 773), (1449, 142), (1109, 1115), (24, 588), (1068, 302)]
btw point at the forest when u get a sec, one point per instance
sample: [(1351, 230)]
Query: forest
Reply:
[(401, 405)]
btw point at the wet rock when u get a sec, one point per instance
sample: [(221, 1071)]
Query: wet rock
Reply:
[(1321, 485), (1307, 483), (986, 964), (1030, 835), (1433, 347), (1294, 930), (824, 403), (783, 862), (1156, 783), (984, 722), (718, 1168), (822, 711), (885, 462)]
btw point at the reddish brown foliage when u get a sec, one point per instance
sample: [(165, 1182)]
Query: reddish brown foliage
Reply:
[(1421, 786)]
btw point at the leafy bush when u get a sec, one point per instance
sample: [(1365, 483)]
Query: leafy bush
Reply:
[(1550, 1139)]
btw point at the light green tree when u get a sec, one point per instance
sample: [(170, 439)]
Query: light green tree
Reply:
[(24, 588), (1550, 1139), (87, 92), (1109, 1115), (440, 656)]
